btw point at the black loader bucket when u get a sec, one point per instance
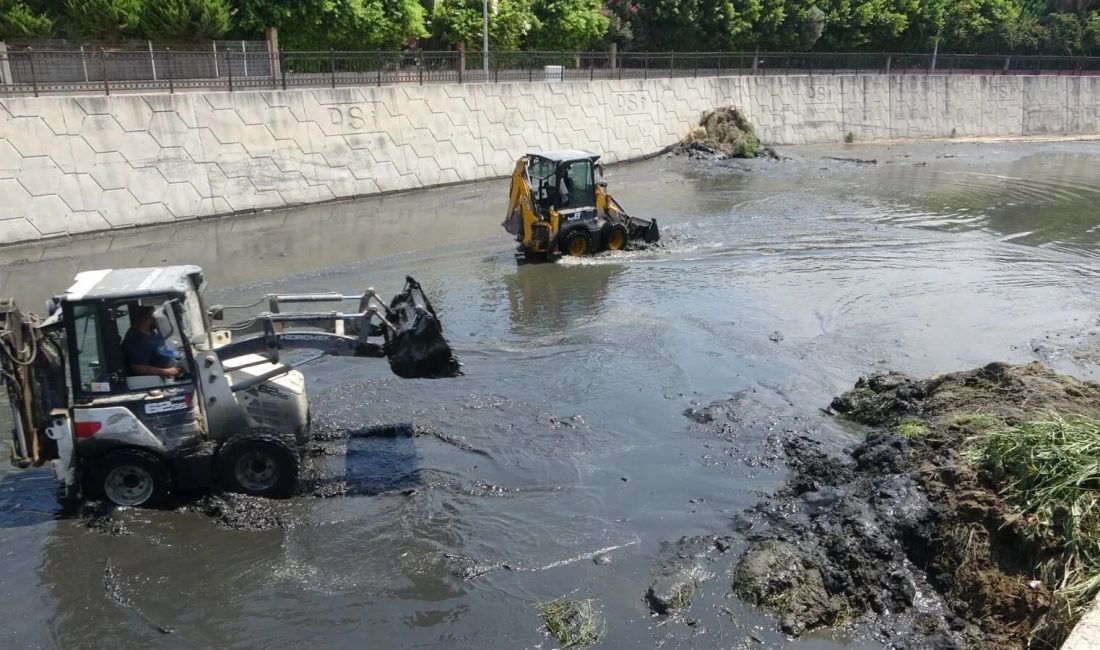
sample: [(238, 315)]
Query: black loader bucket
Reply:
[(415, 346), (643, 230)]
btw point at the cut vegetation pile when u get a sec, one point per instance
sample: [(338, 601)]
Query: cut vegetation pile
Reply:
[(969, 519), (1009, 457), (721, 133)]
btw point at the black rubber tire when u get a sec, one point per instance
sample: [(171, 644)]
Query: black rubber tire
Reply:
[(261, 462), (609, 230), (130, 477), (569, 244)]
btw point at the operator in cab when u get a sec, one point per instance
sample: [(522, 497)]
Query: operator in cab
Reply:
[(145, 351)]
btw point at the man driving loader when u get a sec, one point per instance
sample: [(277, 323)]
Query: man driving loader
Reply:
[(145, 351)]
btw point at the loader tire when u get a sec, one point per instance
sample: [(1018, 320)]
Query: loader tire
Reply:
[(576, 243), (130, 477), (615, 237), (261, 462)]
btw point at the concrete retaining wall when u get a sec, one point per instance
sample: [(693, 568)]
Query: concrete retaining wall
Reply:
[(83, 164)]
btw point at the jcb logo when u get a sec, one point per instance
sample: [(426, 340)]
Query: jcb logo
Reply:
[(168, 406)]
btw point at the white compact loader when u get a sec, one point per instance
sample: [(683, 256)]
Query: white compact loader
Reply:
[(235, 416)]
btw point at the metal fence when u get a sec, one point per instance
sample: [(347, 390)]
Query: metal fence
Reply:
[(250, 65)]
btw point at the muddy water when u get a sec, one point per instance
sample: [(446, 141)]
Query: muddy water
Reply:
[(566, 441)]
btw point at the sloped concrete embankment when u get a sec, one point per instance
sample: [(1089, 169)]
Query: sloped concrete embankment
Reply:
[(71, 165)]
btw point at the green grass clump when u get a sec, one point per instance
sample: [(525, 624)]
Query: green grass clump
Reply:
[(850, 138), (911, 428), (574, 623), (1049, 469), (747, 146)]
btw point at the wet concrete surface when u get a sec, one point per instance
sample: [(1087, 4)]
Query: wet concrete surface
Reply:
[(571, 457)]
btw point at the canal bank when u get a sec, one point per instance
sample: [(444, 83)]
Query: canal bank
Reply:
[(73, 165)]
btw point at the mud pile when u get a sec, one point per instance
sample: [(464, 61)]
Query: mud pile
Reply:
[(721, 134), (907, 533)]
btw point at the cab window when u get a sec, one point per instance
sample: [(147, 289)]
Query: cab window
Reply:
[(91, 355), (582, 191)]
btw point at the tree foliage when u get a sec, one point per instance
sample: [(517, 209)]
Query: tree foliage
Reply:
[(20, 21), (336, 24), (460, 21), (103, 20), (1061, 27), (567, 25), (185, 20)]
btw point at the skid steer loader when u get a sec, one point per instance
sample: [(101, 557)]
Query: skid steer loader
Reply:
[(558, 208), (235, 416)]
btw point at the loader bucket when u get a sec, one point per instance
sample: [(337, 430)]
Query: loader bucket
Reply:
[(644, 230), (416, 347)]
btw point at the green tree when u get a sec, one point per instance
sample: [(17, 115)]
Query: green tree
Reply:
[(813, 26), (338, 24), (17, 20), (185, 20), (460, 22), (1065, 34), (1092, 34), (106, 20), (568, 25)]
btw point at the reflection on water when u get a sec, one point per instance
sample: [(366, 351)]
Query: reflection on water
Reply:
[(779, 283), (544, 298)]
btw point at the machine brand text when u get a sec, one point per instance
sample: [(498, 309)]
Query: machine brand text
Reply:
[(167, 406)]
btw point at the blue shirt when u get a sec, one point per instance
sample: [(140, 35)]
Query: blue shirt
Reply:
[(141, 349)]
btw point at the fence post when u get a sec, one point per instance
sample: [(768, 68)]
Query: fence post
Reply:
[(5, 66), (420, 65), (244, 55), (171, 75), (271, 36), (645, 71), (378, 61), (34, 76), (671, 64), (811, 64), (461, 63), (152, 60), (332, 65), (282, 68), (889, 62), (696, 65), (84, 63), (106, 77), (229, 68), (214, 47)]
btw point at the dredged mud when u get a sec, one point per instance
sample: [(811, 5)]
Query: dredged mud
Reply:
[(903, 533)]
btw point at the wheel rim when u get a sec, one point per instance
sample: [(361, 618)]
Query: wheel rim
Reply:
[(129, 485), (616, 240), (578, 247), (256, 472)]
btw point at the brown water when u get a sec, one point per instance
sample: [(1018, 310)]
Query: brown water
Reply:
[(780, 283)]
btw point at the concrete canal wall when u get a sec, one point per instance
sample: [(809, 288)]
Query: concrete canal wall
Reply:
[(71, 165)]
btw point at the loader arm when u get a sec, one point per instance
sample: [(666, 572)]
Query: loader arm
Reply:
[(523, 219), (406, 332), (638, 229)]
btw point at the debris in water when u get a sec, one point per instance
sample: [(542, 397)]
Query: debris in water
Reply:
[(574, 623)]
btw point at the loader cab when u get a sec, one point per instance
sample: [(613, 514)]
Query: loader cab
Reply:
[(566, 182), (112, 406), (98, 311)]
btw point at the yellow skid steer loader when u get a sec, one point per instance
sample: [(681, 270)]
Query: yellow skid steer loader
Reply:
[(558, 208)]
